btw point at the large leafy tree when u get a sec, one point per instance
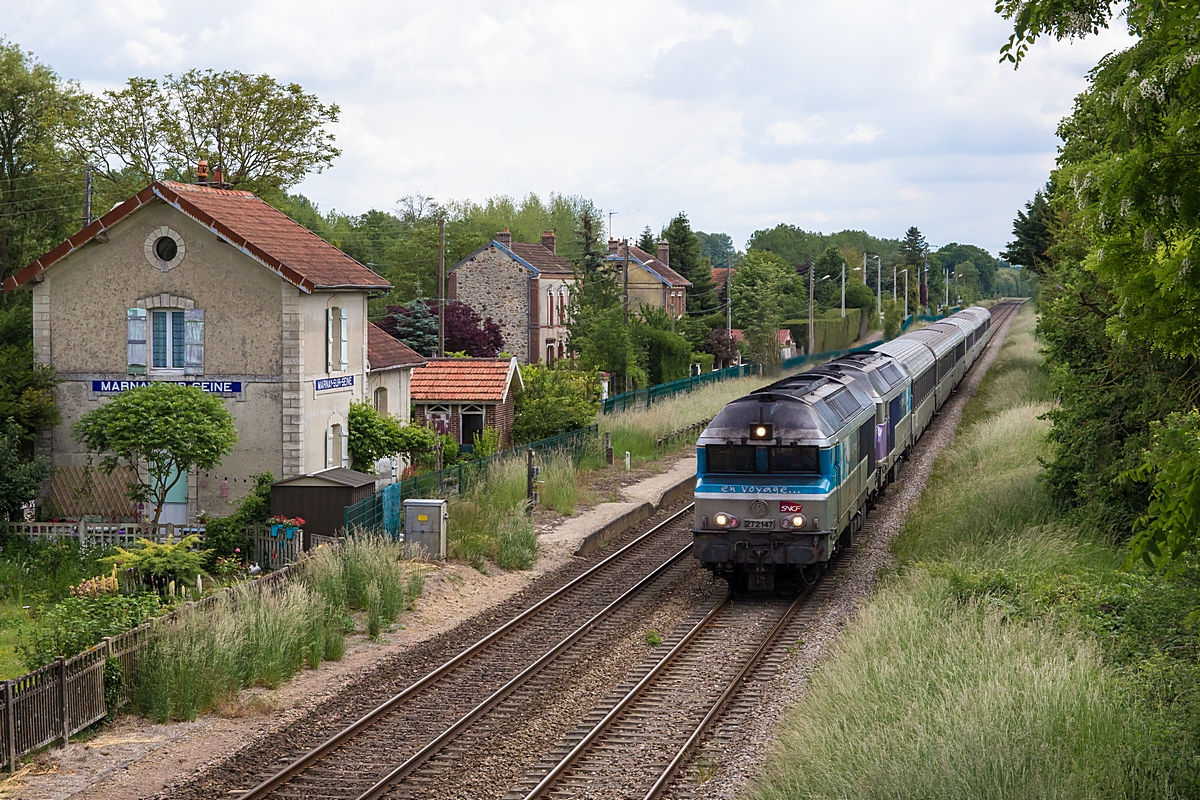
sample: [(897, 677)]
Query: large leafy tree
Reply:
[(467, 332), (761, 272), (374, 436), (41, 192), (688, 261), (161, 431), (267, 135)]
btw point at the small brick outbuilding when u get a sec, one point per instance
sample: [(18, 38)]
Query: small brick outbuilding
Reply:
[(462, 396)]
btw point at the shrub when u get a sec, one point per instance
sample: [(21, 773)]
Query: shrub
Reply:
[(74, 624), (553, 401), (226, 535), (163, 563)]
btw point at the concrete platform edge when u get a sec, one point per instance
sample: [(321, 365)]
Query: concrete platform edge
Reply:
[(599, 539)]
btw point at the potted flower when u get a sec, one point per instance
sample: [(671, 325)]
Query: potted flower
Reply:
[(285, 525)]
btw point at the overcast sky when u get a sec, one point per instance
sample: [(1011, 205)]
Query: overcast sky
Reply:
[(867, 114)]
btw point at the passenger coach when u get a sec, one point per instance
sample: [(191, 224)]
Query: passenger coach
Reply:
[(786, 475)]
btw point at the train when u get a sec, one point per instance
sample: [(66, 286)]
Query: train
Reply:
[(786, 475)]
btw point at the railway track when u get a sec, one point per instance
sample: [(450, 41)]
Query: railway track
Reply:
[(395, 740), (638, 741)]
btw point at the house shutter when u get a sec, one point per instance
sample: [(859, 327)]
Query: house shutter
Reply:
[(344, 352), (329, 447), (193, 341), (135, 335), (345, 447), (329, 340)]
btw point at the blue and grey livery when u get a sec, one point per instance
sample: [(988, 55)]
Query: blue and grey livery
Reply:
[(786, 475)]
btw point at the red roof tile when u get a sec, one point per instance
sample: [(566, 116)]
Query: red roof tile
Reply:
[(464, 380), (719, 276), (256, 228), (385, 351)]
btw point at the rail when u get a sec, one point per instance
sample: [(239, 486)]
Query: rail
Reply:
[(321, 751)]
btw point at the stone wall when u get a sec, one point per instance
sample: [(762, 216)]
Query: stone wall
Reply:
[(498, 287)]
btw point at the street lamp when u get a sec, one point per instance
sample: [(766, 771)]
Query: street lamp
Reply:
[(843, 287), (906, 292), (893, 283)]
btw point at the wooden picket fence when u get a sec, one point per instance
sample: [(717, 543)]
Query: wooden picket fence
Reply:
[(51, 704)]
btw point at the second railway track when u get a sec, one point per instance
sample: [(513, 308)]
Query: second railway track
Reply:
[(396, 739)]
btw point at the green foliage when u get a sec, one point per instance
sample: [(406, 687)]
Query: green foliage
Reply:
[(762, 273), (249, 637), (1167, 533), (554, 401), (267, 135), (26, 389), (224, 536), (797, 247), (666, 356), (718, 248), (374, 436), (415, 325), (19, 478), (37, 110), (74, 624), (41, 571), (179, 562), (688, 261), (161, 431), (486, 443), (893, 318)]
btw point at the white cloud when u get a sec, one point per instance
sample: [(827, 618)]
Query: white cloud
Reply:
[(862, 134), (648, 107)]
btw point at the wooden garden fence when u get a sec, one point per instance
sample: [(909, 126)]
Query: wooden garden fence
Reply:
[(51, 704)]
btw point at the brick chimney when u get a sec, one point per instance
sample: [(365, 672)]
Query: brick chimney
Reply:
[(664, 252), (504, 237), (613, 246), (548, 241), (202, 171)]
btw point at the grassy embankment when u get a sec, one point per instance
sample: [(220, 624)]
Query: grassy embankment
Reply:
[(1010, 656)]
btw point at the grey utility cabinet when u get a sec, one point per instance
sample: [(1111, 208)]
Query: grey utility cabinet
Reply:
[(425, 523)]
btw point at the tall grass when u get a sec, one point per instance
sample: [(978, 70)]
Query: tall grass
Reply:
[(247, 638), (488, 523), (932, 699), (970, 674)]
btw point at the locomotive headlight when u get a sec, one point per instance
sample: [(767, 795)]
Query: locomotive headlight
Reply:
[(763, 430), (798, 521), (721, 519)]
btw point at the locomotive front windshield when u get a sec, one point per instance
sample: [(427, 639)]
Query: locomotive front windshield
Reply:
[(731, 458), (744, 460), (793, 461)]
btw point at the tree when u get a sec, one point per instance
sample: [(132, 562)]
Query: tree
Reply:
[(722, 346), (687, 260), (647, 241), (161, 431), (414, 324), (1033, 236), (41, 192), (761, 272), (913, 247), (893, 318), (466, 332), (265, 134), (718, 247), (19, 477), (374, 436), (762, 332), (826, 293), (26, 389), (553, 401), (666, 356)]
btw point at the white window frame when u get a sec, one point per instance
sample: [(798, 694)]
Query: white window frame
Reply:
[(337, 349), (375, 399)]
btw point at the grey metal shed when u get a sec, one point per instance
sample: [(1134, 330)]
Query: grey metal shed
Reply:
[(320, 498)]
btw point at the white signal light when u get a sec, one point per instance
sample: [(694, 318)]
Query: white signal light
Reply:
[(798, 521), (721, 519), (760, 432)]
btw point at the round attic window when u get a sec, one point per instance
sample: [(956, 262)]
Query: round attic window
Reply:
[(164, 248)]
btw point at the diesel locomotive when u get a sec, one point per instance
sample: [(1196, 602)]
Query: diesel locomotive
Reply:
[(785, 476)]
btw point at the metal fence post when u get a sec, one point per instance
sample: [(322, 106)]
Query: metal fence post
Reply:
[(61, 670), (10, 727)]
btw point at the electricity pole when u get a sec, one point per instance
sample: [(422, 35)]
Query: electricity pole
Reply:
[(442, 287), (878, 286), (729, 295), (843, 287), (87, 195), (893, 283), (625, 304), (906, 292), (812, 267)]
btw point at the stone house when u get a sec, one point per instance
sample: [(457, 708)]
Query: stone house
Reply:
[(525, 288), (210, 287), (462, 396), (652, 282)]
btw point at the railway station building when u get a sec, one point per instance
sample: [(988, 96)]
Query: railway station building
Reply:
[(207, 286)]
